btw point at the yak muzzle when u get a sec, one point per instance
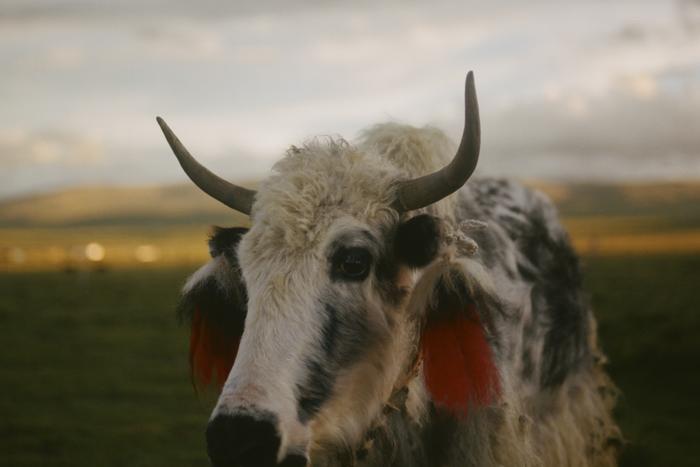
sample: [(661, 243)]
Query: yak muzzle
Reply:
[(246, 440)]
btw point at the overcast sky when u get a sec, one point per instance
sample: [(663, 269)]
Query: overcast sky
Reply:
[(606, 90)]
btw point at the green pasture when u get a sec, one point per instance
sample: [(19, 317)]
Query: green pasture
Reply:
[(93, 367)]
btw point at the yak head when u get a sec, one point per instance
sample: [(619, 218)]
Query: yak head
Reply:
[(305, 319)]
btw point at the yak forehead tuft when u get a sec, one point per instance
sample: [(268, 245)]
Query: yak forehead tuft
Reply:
[(314, 185), (416, 151), (327, 178)]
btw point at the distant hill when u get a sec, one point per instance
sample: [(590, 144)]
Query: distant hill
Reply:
[(185, 205), (123, 206), (676, 199), (168, 225)]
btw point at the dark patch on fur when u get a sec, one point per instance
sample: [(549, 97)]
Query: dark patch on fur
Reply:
[(557, 300), (528, 365), (565, 345), (330, 330), (318, 387), (344, 340), (417, 240), (351, 334)]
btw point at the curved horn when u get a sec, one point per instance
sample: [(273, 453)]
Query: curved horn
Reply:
[(422, 191), (233, 196)]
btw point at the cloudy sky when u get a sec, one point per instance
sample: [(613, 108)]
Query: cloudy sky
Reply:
[(568, 89)]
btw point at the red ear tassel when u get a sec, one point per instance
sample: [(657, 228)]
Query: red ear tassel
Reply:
[(457, 362), (212, 352)]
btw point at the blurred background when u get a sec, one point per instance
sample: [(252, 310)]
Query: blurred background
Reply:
[(596, 103)]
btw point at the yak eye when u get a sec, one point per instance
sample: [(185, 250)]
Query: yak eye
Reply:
[(351, 263)]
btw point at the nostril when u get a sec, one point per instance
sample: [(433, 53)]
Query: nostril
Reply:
[(294, 460), (243, 440)]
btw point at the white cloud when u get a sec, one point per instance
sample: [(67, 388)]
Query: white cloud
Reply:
[(620, 136), (21, 148)]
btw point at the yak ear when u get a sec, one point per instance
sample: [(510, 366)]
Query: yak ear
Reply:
[(458, 363), (417, 240), (214, 302)]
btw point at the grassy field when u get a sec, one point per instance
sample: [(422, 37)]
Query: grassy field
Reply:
[(649, 325), (93, 368)]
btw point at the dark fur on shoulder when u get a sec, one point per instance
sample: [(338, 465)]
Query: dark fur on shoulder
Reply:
[(546, 261)]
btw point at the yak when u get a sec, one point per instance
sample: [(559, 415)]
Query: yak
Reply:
[(380, 312)]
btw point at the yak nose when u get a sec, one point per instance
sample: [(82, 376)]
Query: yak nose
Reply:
[(244, 440)]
